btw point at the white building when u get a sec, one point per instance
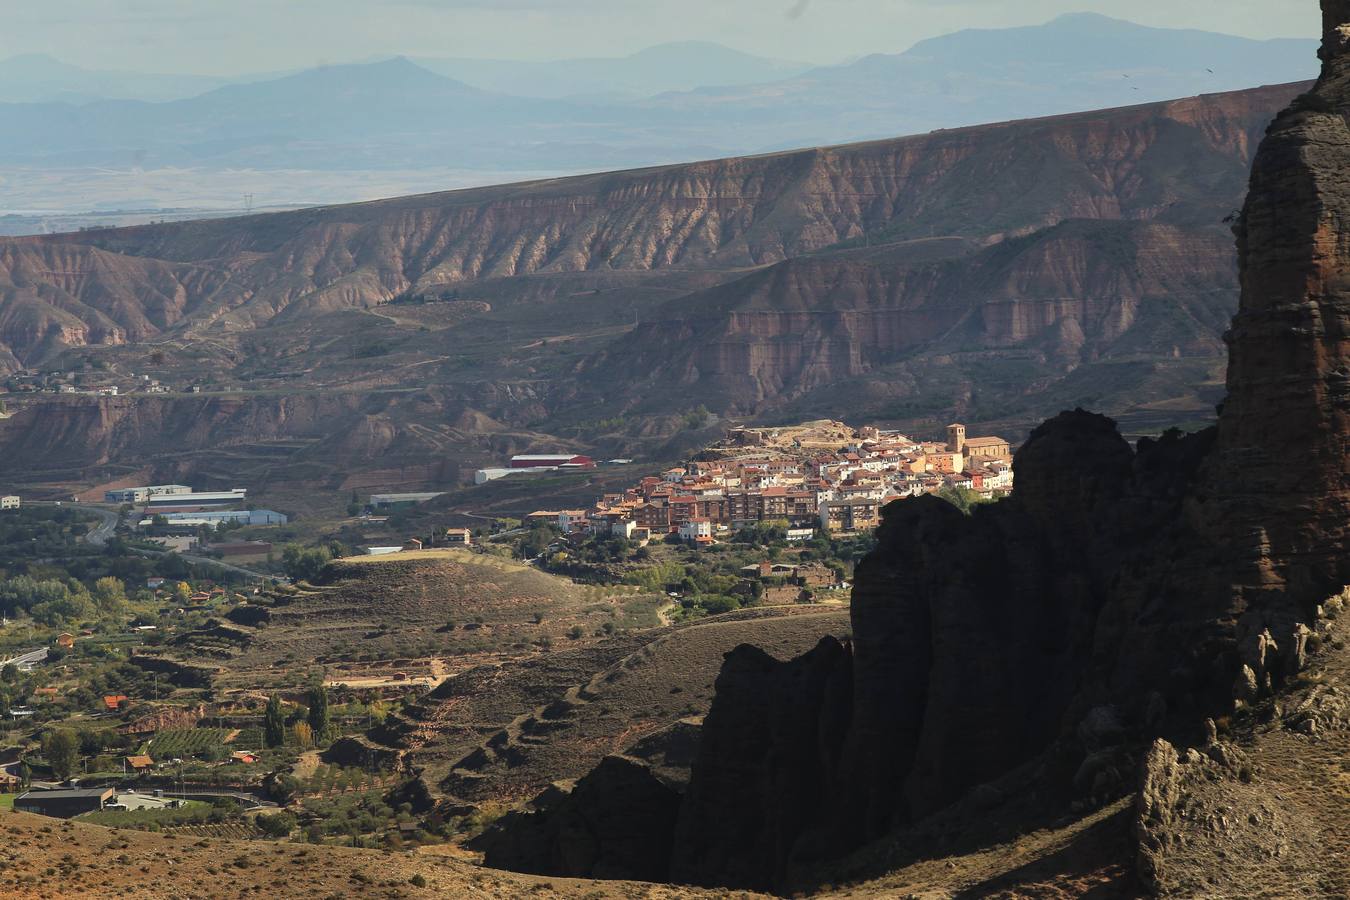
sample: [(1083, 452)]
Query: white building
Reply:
[(623, 529), (696, 529), (199, 499), (217, 517), (394, 501), (142, 494), (568, 519), (10, 502)]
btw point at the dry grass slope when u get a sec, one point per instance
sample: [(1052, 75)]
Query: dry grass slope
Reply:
[(49, 858), (424, 614)]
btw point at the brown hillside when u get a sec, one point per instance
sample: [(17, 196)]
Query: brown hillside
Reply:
[(563, 301), (50, 858), (426, 614)]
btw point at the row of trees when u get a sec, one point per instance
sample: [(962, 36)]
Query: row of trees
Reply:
[(318, 724)]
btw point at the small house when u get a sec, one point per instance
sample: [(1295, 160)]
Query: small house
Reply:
[(10, 502), (140, 763), (458, 537), (114, 701), (244, 756), (65, 640), (412, 544)]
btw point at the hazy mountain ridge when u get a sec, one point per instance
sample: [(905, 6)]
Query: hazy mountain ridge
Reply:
[(678, 66), (396, 115)]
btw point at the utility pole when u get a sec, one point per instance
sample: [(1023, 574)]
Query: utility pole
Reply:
[(248, 203)]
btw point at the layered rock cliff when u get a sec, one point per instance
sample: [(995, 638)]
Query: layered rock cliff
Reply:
[(1081, 291), (998, 272), (1121, 594), (1177, 162)]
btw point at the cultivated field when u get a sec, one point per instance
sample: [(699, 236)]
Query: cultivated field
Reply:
[(411, 618), (504, 732)]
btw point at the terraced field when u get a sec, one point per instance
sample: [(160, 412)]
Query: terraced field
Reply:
[(408, 618), (503, 732), (187, 742)]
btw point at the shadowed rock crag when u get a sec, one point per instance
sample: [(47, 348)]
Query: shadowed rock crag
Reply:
[(978, 642), (1119, 595)]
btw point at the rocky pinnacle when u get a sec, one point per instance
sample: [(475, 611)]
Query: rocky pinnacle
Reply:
[(1279, 477)]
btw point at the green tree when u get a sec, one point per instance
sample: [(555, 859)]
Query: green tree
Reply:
[(718, 603), (274, 724), (304, 563), (61, 747), (963, 499), (276, 825), (318, 716), (110, 594)]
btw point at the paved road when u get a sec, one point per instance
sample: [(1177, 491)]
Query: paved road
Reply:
[(107, 527), (100, 534), (207, 561), (252, 800), (27, 658)]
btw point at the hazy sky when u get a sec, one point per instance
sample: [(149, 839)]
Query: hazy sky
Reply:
[(233, 36)]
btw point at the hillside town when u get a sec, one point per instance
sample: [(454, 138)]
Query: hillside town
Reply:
[(820, 476)]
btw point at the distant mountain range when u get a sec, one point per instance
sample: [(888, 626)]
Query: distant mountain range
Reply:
[(666, 104), (40, 78), (681, 66)]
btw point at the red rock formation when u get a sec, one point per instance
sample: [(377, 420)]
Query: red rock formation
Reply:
[(1279, 481), (1076, 292)]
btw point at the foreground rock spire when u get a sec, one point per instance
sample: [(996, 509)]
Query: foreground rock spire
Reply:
[(1281, 473)]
